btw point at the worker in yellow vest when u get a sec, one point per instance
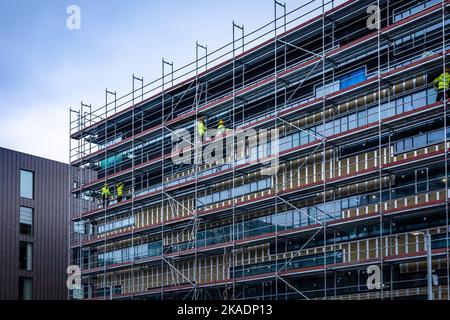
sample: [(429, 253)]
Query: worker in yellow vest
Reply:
[(119, 190), (442, 85), (201, 126), (105, 195), (221, 128)]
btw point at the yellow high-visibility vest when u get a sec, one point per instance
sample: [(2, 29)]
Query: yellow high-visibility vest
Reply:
[(120, 189), (443, 81), (105, 191), (201, 129)]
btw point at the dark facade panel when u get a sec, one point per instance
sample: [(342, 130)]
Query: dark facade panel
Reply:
[(50, 221)]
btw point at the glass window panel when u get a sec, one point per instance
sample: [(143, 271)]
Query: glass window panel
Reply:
[(405, 191), (26, 184), (25, 256), (26, 221), (385, 111), (344, 124), (399, 106), (435, 136), (25, 288), (372, 115), (224, 194), (419, 99), (296, 140), (353, 202), (304, 138), (319, 129), (407, 104), (420, 141), (362, 118), (408, 144), (329, 128), (422, 180), (352, 121), (400, 146), (431, 96)]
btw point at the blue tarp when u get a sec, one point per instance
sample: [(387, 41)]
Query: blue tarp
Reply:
[(352, 78)]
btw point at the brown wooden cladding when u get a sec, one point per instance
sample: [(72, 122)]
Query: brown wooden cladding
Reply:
[(50, 225)]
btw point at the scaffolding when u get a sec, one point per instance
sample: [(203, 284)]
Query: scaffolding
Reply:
[(341, 91)]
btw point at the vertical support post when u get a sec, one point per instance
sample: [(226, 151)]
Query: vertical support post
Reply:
[(105, 209), (163, 124), (115, 99), (133, 180), (380, 150), (114, 102), (198, 144), (82, 153), (333, 154), (429, 265), (78, 209), (89, 123), (83, 118), (197, 67), (324, 152), (446, 142), (233, 155), (275, 20)]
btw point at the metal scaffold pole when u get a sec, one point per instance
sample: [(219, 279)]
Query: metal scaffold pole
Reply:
[(234, 155), (133, 179), (276, 129), (78, 210), (199, 142), (380, 148), (81, 176), (324, 154), (106, 198), (446, 146), (163, 182)]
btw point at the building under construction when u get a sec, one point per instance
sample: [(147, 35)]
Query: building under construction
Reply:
[(357, 205)]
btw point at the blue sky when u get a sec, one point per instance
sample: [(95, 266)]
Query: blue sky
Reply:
[(46, 68)]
